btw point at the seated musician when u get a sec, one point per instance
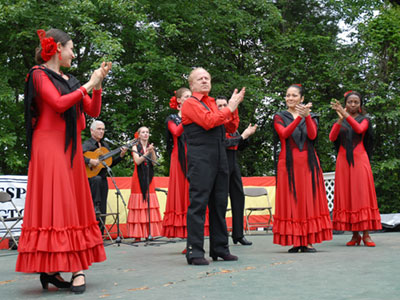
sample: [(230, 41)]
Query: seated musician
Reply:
[(98, 184)]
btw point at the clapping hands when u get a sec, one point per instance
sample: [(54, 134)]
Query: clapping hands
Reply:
[(100, 73), (342, 113), (303, 109), (236, 99), (149, 149)]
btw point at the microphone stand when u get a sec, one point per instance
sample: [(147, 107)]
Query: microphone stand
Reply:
[(118, 240), (149, 237)]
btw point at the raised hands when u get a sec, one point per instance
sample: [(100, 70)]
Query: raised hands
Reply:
[(100, 73), (236, 99), (149, 149), (303, 109), (342, 113), (98, 76), (250, 130), (123, 151)]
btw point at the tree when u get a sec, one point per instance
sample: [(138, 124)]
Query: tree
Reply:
[(380, 43), (263, 45)]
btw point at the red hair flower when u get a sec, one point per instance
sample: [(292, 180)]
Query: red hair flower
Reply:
[(298, 84), (348, 92), (49, 46), (136, 135), (173, 102)]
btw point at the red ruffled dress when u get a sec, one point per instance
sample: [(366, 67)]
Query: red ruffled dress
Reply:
[(138, 217), (59, 231), (303, 219), (355, 203), (174, 222)]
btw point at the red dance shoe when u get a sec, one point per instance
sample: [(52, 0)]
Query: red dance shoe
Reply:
[(354, 242), (368, 242)]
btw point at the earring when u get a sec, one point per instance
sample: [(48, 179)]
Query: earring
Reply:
[(359, 110), (59, 56)]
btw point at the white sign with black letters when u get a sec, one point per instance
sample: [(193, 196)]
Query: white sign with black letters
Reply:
[(15, 186)]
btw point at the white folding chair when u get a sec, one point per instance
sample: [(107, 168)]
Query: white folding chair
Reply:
[(103, 221), (257, 192), (9, 222)]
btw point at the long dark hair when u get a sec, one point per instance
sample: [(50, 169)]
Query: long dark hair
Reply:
[(64, 87)]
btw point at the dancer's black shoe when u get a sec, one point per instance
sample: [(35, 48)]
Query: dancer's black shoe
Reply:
[(45, 279), (198, 261), (243, 241), (294, 249), (78, 289)]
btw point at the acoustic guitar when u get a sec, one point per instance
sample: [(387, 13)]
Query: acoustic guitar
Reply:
[(103, 154)]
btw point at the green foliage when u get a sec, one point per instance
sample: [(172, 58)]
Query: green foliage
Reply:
[(380, 48), (263, 45), (12, 131)]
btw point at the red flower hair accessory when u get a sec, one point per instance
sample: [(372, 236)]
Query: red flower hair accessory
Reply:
[(136, 135), (348, 92), (49, 46), (298, 84), (173, 102)]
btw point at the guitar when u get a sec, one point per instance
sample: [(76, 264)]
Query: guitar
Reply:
[(103, 154)]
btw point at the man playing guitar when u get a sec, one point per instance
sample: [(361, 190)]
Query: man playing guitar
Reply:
[(98, 183)]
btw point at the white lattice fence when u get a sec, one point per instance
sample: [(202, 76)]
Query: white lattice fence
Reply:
[(329, 179)]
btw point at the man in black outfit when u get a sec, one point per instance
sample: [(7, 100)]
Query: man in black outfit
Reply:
[(233, 142), (207, 171), (98, 184)]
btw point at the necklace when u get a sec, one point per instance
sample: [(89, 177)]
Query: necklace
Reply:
[(59, 72)]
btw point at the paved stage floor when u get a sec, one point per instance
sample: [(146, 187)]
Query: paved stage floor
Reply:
[(264, 271)]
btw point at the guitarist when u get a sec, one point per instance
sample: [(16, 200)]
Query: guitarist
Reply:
[(98, 184)]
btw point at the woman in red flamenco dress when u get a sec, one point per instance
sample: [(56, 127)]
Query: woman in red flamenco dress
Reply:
[(174, 222), (301, 208), (355, 204), (142, 191), (59, 231)]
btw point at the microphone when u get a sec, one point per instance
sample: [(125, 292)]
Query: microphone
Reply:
[(110, 141)]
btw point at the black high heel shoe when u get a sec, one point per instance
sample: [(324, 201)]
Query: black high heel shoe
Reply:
[(78, 289), (226, 257), (308, 249), (45, 279), (197, 261), (294, 249), (243, 241)]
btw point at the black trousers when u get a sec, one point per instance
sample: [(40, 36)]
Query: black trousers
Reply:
[(99, 190), (208, 179), (236, 194)]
